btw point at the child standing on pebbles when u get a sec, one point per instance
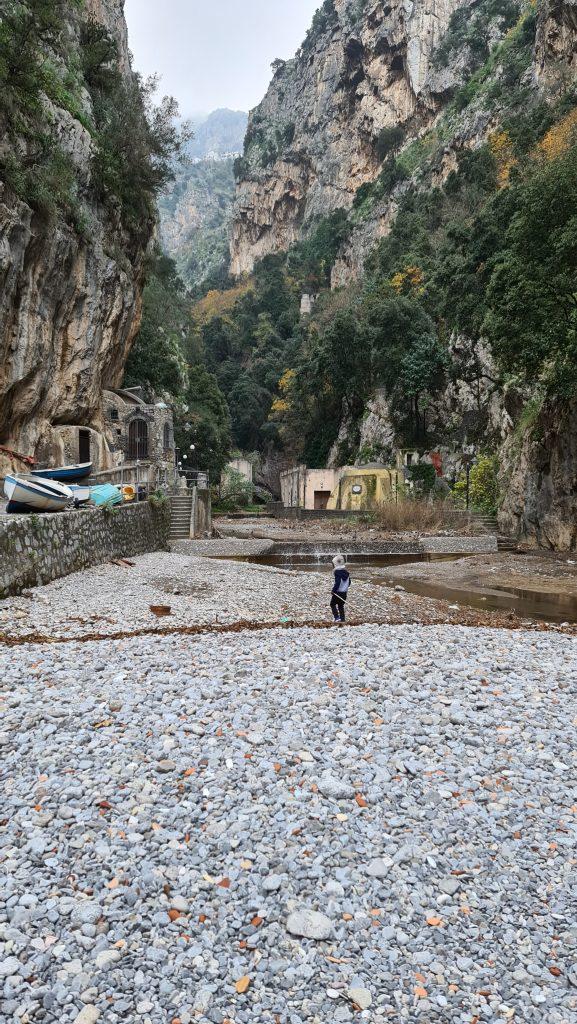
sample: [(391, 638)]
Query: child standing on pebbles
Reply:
[(340, 589)]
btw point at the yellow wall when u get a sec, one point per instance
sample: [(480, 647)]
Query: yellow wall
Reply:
[(378, 486)]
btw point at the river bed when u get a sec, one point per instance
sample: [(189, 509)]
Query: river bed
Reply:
[(514, 584)]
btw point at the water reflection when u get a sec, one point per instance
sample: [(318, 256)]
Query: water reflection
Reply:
[(525, 603)]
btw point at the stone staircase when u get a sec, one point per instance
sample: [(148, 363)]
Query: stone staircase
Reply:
[(491, 524), (180, 513)]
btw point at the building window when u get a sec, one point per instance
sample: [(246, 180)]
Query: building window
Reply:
[(114, 414), (138, 440), (167, 437)]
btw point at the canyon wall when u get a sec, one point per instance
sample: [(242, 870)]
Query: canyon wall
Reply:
[(314, 139), (71, 287), (368, 82)]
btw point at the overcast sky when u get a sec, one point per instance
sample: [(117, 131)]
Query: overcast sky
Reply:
[(215, 53)]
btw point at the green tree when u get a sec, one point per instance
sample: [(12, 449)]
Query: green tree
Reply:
[(29, 29), (249, 407), (531, 317), (422, 373), (484, 489), (203, 420), (137, 143), (158, 358)]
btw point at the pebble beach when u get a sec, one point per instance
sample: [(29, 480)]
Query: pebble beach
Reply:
[(297, 826)]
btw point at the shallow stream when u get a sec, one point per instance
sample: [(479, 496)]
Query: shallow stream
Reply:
[(484, 594)]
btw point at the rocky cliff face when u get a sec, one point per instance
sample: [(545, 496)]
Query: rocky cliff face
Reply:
[(110, 13), (195, 215), (410, 80), (540, 464), (540, 480), (70, 293), (315, 138), (555, 51)]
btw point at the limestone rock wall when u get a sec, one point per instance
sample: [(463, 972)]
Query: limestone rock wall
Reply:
[(539, 480), (312, 142), (556, 48), (70, 300)]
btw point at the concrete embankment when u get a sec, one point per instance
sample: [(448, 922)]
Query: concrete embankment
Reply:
[(238, 546)]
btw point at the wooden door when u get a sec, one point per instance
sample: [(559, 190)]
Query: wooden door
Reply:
[(321, 499)]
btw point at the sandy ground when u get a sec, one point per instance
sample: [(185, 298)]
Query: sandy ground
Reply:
[(538, 572)]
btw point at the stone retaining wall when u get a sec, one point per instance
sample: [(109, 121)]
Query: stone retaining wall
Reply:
[(36, 549), (237, 547)]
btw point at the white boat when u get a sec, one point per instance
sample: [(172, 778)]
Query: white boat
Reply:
[(27, 495), (80, 494)]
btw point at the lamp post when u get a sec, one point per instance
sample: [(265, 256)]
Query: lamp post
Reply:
[(469, 461)]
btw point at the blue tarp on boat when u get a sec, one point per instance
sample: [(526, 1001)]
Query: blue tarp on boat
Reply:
[(105, 494)]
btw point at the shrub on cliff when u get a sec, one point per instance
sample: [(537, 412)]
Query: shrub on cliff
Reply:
[(137, 142), (323, 19), (48, 50), (28, 30)]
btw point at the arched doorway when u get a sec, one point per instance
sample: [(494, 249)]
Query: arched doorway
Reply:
[(167, 437), (138, 440)]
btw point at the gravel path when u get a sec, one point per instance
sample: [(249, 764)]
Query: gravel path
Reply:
[(368, 824)]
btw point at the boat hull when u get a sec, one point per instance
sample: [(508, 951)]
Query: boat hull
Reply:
[(27, 495), (64, 473), (80, 494)]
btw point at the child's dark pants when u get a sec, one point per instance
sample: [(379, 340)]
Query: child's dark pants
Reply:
[(338, 607)]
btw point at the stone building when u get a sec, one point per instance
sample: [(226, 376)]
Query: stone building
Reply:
[(349, 488), (134, 431), (139, 431)]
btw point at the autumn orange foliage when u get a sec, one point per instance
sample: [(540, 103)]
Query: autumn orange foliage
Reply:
[(559, 138), (502, 149), (219, 303), (283, 403), (408, 281)]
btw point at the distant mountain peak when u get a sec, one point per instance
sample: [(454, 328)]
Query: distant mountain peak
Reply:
[(220, 134)]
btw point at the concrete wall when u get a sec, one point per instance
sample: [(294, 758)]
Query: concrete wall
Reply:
[(36, 549), (290, 487), (362, 490), (242, 466), (324, 480), (298, 485)]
